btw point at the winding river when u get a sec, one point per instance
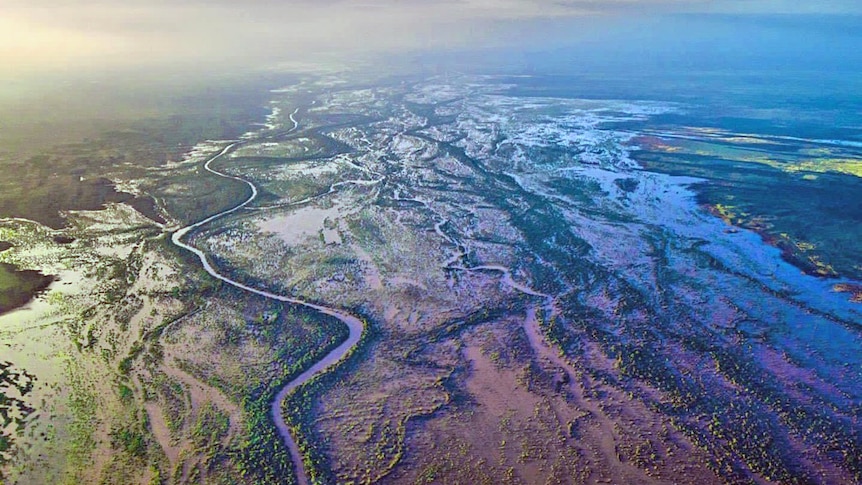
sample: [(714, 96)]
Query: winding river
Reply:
[(355, 325)]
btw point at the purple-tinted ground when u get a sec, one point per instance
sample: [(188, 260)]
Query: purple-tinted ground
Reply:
[(518, 242)]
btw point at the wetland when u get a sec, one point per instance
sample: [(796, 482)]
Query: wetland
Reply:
[(438, 279)]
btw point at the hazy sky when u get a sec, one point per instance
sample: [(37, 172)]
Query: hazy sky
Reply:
[(57, 35)]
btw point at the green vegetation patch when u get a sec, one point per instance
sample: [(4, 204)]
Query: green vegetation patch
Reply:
[(15, 386), (211, 427), (196, 195), (19, 287), (814, 221)]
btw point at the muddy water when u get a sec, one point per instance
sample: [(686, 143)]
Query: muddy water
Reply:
[(307, 222)]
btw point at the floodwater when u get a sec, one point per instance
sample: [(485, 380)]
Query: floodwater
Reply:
[(296, 227)]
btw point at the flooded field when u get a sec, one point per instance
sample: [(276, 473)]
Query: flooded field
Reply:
[(303, 223)]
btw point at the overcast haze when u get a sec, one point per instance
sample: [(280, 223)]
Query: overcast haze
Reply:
[(58, 35), (70, 60)]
